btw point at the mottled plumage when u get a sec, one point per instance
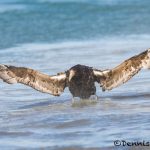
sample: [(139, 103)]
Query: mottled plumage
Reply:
[(115, 77), (79, 79)]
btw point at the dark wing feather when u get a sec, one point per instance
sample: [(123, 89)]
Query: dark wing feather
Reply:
[(110, 79), (44, 83)]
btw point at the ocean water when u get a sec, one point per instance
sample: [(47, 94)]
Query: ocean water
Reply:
[(52, 36)]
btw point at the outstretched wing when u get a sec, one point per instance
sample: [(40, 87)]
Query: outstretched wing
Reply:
[(110, 79), (44, 83)]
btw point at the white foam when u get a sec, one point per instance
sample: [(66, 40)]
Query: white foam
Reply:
[(12, 7), (132, 42)]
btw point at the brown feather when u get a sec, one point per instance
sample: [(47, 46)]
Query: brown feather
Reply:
[(44, 83), (113, 78)]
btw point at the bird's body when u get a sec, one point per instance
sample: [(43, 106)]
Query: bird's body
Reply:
[(79, 79)]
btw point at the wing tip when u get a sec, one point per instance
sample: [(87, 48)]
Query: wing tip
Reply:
[(5, 76)]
